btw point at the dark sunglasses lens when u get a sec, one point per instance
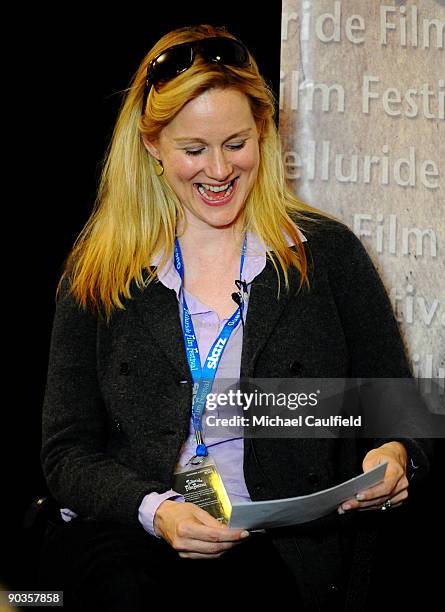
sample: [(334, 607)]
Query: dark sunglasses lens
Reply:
[(171, 63), (224, 51)]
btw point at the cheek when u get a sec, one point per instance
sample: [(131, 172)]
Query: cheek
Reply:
[(182, 168), (249, 161)]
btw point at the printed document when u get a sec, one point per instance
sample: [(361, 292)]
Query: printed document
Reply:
[(296, 510)]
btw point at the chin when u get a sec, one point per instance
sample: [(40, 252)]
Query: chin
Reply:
[(222, 220)]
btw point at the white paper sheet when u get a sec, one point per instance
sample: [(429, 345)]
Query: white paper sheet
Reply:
[(295, 510)]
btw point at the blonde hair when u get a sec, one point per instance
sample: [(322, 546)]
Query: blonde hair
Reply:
[(135, 212)]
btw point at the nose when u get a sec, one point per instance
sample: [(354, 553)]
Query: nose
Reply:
[(219, 166)]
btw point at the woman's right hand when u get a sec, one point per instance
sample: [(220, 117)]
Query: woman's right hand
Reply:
[(193, 532)]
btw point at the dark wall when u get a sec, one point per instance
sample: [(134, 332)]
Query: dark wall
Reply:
[(70, 70)]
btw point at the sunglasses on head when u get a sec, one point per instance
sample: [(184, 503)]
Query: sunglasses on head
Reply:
[(179, 58)]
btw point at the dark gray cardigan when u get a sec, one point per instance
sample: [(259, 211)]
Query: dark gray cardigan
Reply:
[(118, 398)]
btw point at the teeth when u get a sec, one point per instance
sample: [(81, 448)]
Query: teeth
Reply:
[(228, 188), (215, 188)]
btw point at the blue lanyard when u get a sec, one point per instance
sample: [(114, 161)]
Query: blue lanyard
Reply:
[(203, 376)]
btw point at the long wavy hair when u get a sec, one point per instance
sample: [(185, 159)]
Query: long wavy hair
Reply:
[(135, 213)]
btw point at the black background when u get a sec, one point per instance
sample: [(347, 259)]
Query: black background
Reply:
[(68, 71)]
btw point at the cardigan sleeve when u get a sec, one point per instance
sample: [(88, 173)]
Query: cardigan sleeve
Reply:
[(375, 346), (79, 472), (371, 331)]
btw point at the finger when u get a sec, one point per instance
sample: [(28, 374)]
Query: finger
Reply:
[(194, 530), (386, 489), (394, 471), (396, 501), (209, 549), (374, 508), (374, 504), (377, 502), (205, 518), (383, 489), (381, 500), (191, 555), (220, 532)]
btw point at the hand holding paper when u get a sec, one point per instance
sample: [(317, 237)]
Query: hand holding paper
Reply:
[(296, 510)]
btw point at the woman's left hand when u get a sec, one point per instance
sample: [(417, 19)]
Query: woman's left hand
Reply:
[(393, 488)]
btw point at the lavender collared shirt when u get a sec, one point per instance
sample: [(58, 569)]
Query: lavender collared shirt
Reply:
[(228, 453)]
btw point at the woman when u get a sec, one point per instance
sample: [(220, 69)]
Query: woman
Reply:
[(193, 215)]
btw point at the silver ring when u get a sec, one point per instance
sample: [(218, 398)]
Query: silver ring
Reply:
[(386, 505)]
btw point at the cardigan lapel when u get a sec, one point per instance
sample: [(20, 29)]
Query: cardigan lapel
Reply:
[(265, 309), (158, 308)]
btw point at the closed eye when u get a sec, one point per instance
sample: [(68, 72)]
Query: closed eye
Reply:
[(231, 147)]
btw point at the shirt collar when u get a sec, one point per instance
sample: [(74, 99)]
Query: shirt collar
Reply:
[(254, 264)]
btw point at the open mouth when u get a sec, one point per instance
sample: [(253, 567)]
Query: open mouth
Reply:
[(213, 194)]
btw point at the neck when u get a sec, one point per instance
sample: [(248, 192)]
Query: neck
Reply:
[(216, 243)]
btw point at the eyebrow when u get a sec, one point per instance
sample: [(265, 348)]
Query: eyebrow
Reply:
[(198, 139)]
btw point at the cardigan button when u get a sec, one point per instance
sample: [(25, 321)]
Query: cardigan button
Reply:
[(168, 432), (124, 369), (295, 367)]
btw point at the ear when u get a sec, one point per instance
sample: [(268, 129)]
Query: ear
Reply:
[(152, 146)]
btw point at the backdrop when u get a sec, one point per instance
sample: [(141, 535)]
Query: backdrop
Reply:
[(362, 89)]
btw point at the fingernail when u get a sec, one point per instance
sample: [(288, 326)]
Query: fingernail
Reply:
[(245, 534), (360, 497), (346, 507)]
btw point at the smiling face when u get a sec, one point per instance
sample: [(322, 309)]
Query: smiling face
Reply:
[(210, 154)]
